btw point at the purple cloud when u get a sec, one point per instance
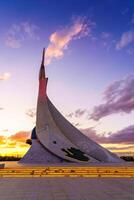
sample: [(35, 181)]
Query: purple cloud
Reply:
[(77, 113), (18, 33), (125, 136), (92, 134), (31, 113), (60, 39), (126, 38), (119, 97)]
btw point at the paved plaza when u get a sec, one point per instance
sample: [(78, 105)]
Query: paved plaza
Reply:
[(66, 189)]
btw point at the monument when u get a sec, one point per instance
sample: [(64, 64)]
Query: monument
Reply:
[(56, 140)]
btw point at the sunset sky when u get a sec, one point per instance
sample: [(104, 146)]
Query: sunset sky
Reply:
[(89, 63)]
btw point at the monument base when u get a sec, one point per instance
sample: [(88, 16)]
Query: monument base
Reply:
[(37, 154)]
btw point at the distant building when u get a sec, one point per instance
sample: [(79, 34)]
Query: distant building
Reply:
[(56, 140)]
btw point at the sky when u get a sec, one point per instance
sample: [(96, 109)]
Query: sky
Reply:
[(89, 63)]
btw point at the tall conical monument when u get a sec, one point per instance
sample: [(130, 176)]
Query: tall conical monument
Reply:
[(56, 140)]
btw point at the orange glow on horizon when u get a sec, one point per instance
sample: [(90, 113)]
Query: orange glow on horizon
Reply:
[(14, 151), (18, 148)]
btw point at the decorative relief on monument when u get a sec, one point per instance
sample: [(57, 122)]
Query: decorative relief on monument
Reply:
[(76, 154)]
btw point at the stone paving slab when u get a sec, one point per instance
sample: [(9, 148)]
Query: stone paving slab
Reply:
[(67, 189)]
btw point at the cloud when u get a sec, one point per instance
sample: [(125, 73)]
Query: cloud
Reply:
[(106, 35), (106, 40), (126, 38), (2, 140), (78, 113), (59, 40), (121, 148), (30, 30), (17, 140), (5, 76), (20, 136), (70, 115), (119, 97), (1, 108), (18, 33), (77, 124), (31, 113), (125, 136), (92, 134), (13, 42)]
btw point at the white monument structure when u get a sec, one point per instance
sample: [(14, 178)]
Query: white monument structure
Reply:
[(56, 140)]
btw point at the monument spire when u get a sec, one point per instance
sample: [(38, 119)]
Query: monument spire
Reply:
[(42, 68), (42, 77)]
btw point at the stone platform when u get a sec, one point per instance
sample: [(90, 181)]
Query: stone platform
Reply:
[(72, 182), (66, 188)]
